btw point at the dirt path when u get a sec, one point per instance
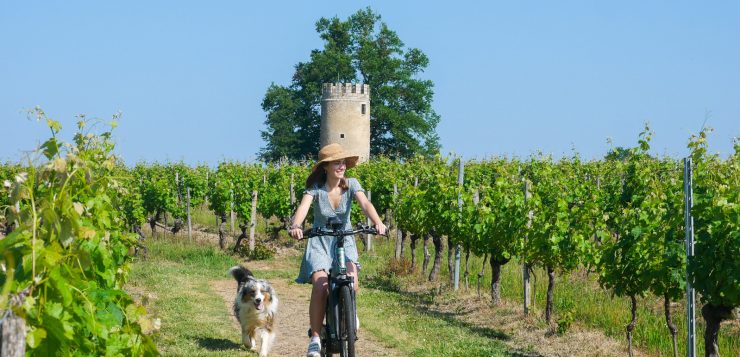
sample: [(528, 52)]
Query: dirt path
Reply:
[(292, 319)]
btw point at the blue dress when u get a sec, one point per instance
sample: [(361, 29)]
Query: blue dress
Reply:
[(320, 253)]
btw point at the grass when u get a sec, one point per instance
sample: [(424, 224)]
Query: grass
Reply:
[(578, 294), (192, 315), (177, 274), (400, 321)]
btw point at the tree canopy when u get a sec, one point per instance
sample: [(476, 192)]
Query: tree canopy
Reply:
[(360, 49)]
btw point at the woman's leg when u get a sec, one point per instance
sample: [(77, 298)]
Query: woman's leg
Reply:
[(352, 270), (317, 308)]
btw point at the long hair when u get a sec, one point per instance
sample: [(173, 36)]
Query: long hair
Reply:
[(317, 178)]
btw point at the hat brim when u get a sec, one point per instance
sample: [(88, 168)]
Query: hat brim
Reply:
[(350, 161)]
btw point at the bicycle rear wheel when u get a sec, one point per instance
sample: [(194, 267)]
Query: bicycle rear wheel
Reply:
[(346, 322)]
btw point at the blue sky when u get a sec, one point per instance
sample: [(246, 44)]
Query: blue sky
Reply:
[(510, 77)]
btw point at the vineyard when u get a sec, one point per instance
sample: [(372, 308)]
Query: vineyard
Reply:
[(72, 217)]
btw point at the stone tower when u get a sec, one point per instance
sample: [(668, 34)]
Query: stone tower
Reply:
[(345, 117)]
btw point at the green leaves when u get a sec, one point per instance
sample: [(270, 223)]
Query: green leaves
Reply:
[(715, 268), (68, 249)]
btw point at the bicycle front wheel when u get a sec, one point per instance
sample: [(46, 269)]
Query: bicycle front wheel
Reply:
[(346, 322)]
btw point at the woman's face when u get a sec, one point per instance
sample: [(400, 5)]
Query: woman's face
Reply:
[(336, 168)]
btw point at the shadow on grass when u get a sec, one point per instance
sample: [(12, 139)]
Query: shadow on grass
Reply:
[(452, 319), (217, 344), (423, 301)]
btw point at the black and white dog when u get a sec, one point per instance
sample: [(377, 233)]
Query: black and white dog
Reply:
[(255, 307)]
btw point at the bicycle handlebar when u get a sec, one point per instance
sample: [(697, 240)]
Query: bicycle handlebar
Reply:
[(323, 231)]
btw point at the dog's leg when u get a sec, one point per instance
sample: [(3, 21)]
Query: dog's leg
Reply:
[(247, 340), (267, 338)]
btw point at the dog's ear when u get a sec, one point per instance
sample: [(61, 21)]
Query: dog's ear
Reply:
[(241, 274), (269, 288)]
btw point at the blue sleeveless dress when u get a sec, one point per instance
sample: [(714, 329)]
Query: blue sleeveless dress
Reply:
[(320, 253)]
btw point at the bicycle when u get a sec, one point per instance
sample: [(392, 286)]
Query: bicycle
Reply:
[(339, 332)]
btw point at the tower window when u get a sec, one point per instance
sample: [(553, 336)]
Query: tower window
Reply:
[(341, 136), (363, 109)]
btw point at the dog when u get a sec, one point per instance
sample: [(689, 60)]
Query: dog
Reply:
[(255, 307)]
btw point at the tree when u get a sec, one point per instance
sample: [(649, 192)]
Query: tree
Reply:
[(362, 48)]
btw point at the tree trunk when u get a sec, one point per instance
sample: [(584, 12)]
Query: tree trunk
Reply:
[(669, 322), (550, 290), (631, 325), (221, 233), (137, 230), (403, 243), (414, 237), (153, 223), (140, 242), (495, 281), (427, 255), (496, 265), (242, 236), (12, 336), (467, 268), (713, 315), (437, 240), (176, 225), (8, 228), (451, 262), (399, 244), (482, 272)]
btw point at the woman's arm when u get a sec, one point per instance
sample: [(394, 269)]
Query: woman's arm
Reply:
[(370, 212), (300, 214)]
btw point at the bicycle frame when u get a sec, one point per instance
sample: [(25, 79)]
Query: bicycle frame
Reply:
[(332, 340), (337, 278)]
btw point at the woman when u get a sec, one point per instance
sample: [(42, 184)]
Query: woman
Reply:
[(331, 194)]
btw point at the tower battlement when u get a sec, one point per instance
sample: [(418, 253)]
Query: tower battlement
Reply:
[(345, 90), (345, 117)]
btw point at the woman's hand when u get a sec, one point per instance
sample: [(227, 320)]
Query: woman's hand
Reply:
[(296, 232), (382, 229)]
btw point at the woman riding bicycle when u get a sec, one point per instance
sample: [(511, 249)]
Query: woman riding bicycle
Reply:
[(331, 194)]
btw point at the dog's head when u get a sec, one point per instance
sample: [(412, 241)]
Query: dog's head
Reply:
[(256, 294)]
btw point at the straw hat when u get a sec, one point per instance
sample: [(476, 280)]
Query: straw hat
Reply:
[(333, 152)]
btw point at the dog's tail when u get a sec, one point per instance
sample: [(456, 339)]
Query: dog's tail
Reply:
[(241, 274)]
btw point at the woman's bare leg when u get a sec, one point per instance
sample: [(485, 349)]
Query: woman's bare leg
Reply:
[(352, 270), (317, 308)]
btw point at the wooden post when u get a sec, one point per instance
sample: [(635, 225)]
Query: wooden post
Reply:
[(476, 199), (177, 184), (368, 236), (253, 221), (292, 192), (399, 238), (206, 195), (190, 222), (525, 266), (460, 178), (231, 212), (689, 229)]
